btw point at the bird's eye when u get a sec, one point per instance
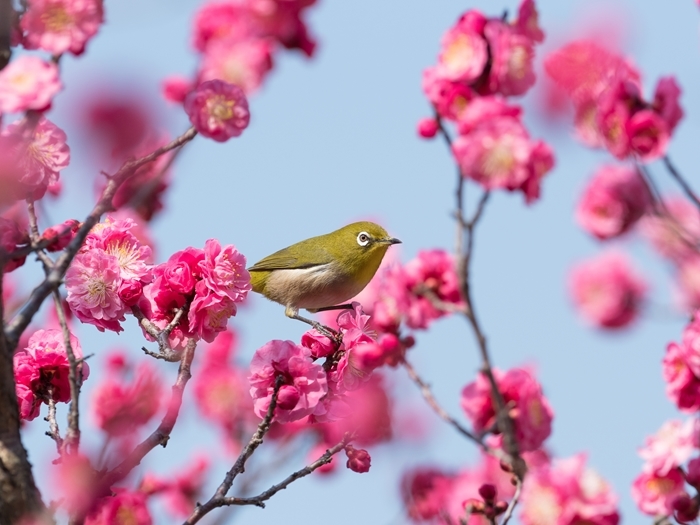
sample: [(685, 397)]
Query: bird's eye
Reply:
[(363, 239)]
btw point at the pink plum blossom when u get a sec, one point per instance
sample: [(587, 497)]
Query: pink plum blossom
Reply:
[(60, 235), (122, 405), (224, 272), (424, 492), (670, 447), (648, 134), (318, 344), (531, 412), (567, 492), (613, 201), (92, 282), (666, 103), (58, 26), (682, 385), (209, 313), (42, 151), (11, 237), (482, 109), (607, 291), (463, 54), (527, 22), (113, 236), (358, 459), (654, 493), (292, 363), (123, 507), (181, 490), (241, 63), (450, 99), (176, 88), (218, 110), (28, 82), (512, 72), (41, 370)]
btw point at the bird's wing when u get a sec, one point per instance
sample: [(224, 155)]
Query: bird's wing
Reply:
[(286, 259)]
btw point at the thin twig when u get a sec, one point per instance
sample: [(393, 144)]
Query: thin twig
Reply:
[(681, 181), (21, 320), (513, 502), (441, 412), (75, 378), (259, 500), (165, 351), (53, 431), (161, 435), (239, 466)]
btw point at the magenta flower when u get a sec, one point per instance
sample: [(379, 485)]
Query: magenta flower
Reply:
[(181, 490), (242, 63), (218, 110), (613, 201), (449, 98), (11, 237), (464, 53), (531, 412), (115, 238), (682, 385), (292, 363), (42, 153), (666, 103), (58, 26), (123, 507), (42, 366), (648, 134), (654, 493), (92, 282), (607, 291), (425, 492), (512, 72), (209, 313), (527, 22), (568, 492), (359, 460), (28, 82), (223, 271)]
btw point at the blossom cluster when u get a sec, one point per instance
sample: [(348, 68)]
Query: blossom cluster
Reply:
[(237, 40), (610, 111), (555, 492), (41, 371), (663, 486), (482, 61), (113, 273)]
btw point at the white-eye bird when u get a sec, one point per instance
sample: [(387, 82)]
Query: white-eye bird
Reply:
[(322, 272)]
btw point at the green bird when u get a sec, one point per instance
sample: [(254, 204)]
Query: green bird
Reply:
[(322, 272)]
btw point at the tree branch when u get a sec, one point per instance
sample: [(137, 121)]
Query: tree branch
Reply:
[(681, 181), (7, 18), (513, 502), (21, 320)]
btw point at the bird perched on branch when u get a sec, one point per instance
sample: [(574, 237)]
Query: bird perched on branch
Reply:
[(322, 272)]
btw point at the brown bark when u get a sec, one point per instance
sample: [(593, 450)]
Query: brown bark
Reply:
[(7, 16), (19, 496)]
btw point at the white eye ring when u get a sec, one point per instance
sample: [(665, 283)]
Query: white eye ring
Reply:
[(363, 239)]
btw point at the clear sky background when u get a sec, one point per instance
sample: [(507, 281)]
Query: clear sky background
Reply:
[(333, 140)]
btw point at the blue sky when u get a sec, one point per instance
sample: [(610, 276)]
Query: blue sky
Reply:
[(333, 140)]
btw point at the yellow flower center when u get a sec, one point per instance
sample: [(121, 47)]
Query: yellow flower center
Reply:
[(56, 18), (220, 108), (459, 54), (499, 159), (543, 507), (126, 516), (517, 62)]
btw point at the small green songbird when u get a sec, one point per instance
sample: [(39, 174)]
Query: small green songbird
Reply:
[(322, 272)]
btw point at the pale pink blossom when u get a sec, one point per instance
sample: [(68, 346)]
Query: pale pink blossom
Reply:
[(58, 26), (483, 109), (431, 274), (123, 507), (666, 103), (42, 153), (541, 162), (654, 493), (688, 282), (607, 291), (242, 63), (221, 20), (29, 404), (674, 234), (292, 363), (28, 82), (682, 385), (615, 198), (113, 236), (92, 283), (612, 118), (670, 447), (218, 110), (512, 72), (531, 412), (121, 404), (223, 271), (463, 55), (567, 492), (495, 154)]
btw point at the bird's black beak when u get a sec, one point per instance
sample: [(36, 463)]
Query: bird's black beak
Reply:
[(392, 240)]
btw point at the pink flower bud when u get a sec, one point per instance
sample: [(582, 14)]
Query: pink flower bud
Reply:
[(358, 459), (130, 291), (176, 89), (179, 277), (427, 128), (60, 235), (288, 397), (488, 492), (319, 344), (685, 508), (368, 356), (692, 475)]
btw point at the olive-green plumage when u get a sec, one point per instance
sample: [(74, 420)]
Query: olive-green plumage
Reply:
[(322, 271)]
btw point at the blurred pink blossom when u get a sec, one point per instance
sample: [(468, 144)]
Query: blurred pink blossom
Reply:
[(218, 110)]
